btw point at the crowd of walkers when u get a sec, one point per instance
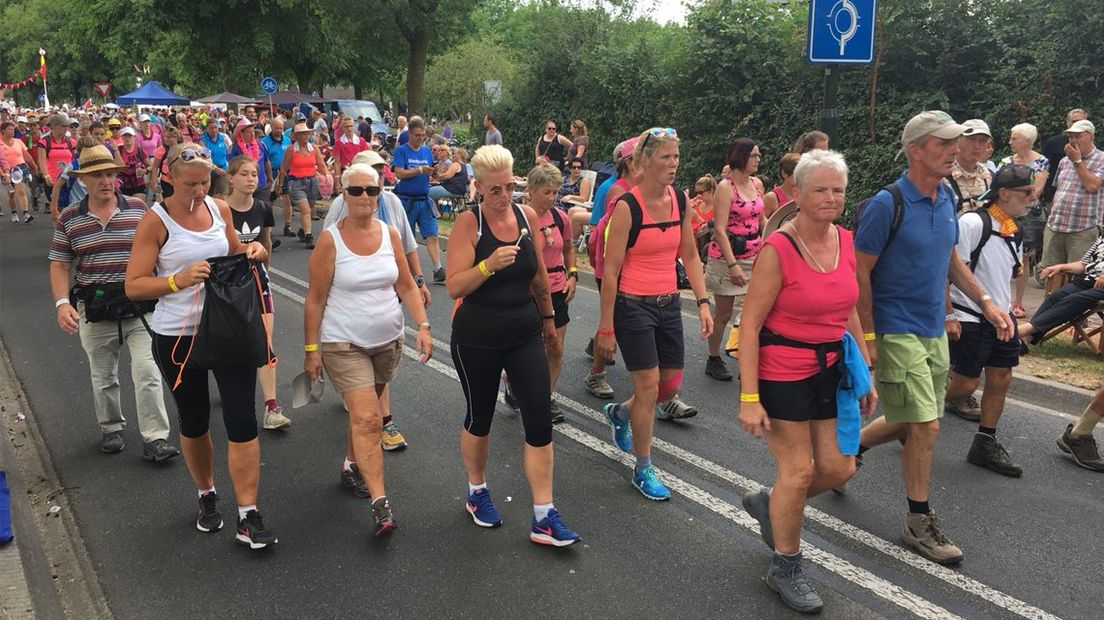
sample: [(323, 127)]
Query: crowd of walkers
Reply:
[(907, 308)]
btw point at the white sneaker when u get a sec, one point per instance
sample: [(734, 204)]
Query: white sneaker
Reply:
[(674, 409), (15, 217), (274, 419)]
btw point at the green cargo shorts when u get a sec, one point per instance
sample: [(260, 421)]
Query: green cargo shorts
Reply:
[(912, 377)]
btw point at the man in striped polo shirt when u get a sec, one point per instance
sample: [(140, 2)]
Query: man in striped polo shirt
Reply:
[(96, 234)]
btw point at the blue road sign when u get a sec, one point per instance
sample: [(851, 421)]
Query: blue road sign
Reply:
[(268, 85), (841, 31)]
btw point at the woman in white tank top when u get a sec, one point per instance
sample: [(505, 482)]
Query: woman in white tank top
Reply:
[(168, 259), (354, 326)]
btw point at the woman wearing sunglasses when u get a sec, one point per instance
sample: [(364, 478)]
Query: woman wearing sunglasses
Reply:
[(169, 258), (640, 312), (353, 325), (574, 186), (494, 268), (551, 147)]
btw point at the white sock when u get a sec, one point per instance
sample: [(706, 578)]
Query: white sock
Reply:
[(348, 466), (472, 488), (203, 492), (244, 509), (436, 265), (540, 511)]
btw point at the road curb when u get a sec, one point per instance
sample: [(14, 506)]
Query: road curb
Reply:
[(55, 563)]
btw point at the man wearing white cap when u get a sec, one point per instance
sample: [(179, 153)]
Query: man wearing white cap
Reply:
[(1076, 211), (903, 264), (969, 177)]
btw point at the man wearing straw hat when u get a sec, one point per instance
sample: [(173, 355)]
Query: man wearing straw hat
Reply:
[(92, 233)]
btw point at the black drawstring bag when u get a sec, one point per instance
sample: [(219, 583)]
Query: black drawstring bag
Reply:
[(230, 330)]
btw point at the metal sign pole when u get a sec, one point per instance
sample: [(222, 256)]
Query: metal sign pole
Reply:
[(829, 112)]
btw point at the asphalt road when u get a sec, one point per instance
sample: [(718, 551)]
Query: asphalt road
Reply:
[(1026, 541)]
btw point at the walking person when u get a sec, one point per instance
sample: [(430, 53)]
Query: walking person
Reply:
[(21, 165), (412, 164), (640, 311), (301, 168), (171, 248), (353, 326), (96, 234), (1077, 440), (737, 221), (800, 303), (902, 271), (505, 321)]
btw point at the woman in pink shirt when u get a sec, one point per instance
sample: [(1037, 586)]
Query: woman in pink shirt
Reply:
[(800, 301), (640, 302)]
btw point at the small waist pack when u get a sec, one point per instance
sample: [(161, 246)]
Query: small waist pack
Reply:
[(108, 302)]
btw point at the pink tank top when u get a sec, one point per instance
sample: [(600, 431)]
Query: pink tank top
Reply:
[(780, 194), (551, 243), (743, 219), (649, 267), (810, 307)]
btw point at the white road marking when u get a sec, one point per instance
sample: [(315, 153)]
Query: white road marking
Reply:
[(947, 575)]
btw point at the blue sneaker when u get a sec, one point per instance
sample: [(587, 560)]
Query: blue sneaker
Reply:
[(622, 432), (482, 509), (551, 531), (647, 482)]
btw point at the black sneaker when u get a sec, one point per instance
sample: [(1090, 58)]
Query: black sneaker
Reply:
[(112, 443), (309, 240), (350, 479), (716, 368), (208, 517), (158, 450), (252, 532), (276, 243), (439, 276), (287, 231), (557, 413), (302, 235), (987, 452), (382, 517)]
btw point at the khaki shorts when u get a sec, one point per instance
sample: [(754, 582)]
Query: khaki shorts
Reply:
[(718, 282), (352, 368), (1060, 247), (912, 377)]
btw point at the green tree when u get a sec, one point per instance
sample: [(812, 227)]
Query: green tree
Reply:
[(455, 79)]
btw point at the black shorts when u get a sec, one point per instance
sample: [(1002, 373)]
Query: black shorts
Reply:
[(648, 335), (559, 305), (811, 398), (978, 347)]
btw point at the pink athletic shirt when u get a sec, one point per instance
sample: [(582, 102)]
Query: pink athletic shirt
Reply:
[(649, 267)]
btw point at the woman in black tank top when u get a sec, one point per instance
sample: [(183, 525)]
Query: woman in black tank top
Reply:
[(551, 147), (504, 308)]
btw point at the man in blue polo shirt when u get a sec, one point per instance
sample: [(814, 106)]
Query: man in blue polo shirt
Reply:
[(276, 142), (903, 308), (412, 164)]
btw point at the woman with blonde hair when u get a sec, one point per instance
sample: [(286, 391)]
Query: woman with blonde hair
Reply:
[(505, 321)]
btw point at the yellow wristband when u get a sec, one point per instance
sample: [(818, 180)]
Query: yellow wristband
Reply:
[(172, 283), (868, 336), (749, 398), (310, 348), (483, 269)]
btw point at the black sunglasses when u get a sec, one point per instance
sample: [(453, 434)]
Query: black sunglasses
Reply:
[(371, 190)]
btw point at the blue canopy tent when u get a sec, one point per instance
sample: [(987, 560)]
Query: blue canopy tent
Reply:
[(152, 93)]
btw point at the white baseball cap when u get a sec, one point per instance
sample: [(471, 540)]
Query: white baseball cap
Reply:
[(975, 127), (144, 117), (1082, 126), (127, 131)]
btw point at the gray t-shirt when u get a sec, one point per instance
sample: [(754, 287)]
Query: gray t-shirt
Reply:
[(494, 136)]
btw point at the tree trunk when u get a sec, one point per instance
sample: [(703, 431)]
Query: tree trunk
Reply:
[(358, 91), (416, 69)]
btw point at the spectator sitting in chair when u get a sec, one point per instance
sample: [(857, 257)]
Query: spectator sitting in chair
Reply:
[(1080, 294), (449, 178), (575, 187)]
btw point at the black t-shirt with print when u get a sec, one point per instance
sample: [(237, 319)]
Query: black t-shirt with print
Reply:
[(250, 224)]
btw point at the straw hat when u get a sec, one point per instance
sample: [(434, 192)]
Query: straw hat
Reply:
[(300, 128), (96, 159)]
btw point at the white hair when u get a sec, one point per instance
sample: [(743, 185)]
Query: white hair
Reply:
[(358, 169), (1028, 131), (818, 159)]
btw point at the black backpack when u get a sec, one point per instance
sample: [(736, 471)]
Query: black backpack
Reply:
[(1014, 242), (638, 215), (898, 212)]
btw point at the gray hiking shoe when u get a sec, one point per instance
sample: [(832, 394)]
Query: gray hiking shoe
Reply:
[(674, 409), (716, 368), (758, 506), (1082, 449), (967, 409), (924, 534), (112, 443), (350, 479), (158, 450), (987, 452), (596, 384), (787, 578)]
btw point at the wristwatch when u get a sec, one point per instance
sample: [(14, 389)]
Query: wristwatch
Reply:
[(419, 280)]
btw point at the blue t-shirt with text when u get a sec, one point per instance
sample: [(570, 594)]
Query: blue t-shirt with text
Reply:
[(908, 283), (407, 157)]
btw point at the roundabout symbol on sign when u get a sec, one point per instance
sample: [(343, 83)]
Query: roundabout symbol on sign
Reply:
[(843, 23)]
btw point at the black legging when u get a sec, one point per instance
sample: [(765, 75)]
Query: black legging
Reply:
[(526, 365), (237, 387), (1065, 305)]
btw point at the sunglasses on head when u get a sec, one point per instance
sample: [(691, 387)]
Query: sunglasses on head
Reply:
[(188, 155), (659, 131), (497, 190), (371, 190)]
